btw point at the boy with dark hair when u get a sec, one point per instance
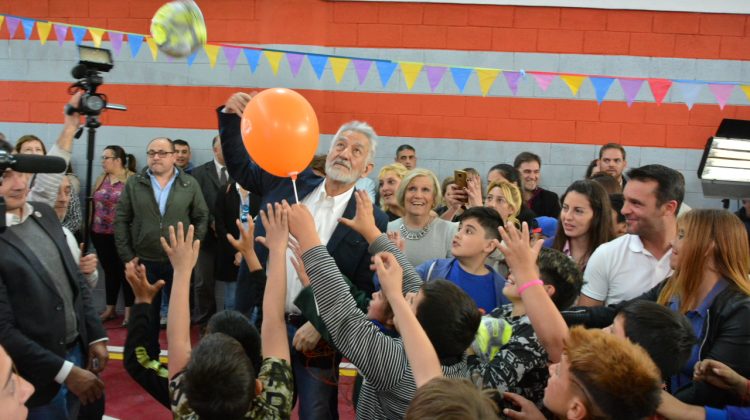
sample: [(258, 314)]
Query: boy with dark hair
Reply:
[(472, 244), (447, 314)]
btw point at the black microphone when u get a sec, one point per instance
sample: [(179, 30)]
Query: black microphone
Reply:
[(34, 164)]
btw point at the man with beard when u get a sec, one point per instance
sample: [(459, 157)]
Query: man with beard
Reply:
[(542, 202), (350, 158), (612, 161)]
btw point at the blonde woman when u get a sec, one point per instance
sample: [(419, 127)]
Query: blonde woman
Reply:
[(389, 179), (425, 235), (506, 198)]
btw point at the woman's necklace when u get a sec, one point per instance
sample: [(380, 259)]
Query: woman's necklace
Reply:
[(414, 235)]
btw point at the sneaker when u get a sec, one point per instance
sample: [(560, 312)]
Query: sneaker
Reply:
[(163, 322)]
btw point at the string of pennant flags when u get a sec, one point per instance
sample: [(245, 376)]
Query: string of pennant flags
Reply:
[(689, 90)]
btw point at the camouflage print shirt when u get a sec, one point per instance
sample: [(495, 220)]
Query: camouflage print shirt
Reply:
[(274, 402)]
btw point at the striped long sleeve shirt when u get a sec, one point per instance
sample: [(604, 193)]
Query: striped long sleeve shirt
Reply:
[(389, 383)]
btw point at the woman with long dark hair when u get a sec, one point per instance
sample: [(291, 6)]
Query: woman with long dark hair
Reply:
[(117, 168)]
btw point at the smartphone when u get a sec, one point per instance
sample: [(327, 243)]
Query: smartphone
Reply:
[(459, 177)]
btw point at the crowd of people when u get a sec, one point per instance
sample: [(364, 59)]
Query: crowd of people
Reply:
[(461, 298)]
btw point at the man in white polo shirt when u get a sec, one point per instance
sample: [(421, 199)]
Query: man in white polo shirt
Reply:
[(633, 263)]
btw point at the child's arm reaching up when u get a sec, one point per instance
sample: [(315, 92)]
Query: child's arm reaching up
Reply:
[(422, 356)]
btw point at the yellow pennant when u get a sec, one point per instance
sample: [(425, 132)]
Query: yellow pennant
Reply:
[(746, 89), (153, 47), (2, 18), (96, 35), (212, 51), (411, 72), (486, 79), (339, 66), (43, 28), (573, 82), (274, 58)]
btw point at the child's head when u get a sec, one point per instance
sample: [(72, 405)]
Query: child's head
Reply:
[(219, 381), (449, 316), (601, 375), (476, 231), (451, 399), (665, 334), (561, 276), (237, 326), (380, 310)]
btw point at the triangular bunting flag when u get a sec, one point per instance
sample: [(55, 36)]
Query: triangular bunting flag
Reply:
[(574, 82), (385, 70), (153, 47), (61, 32), (486, 79), (191, 58), (434, 76), (601, 87), (543, 80), (212, 51), (96, 35), (659, 88), (512, 78), (339, 66), (28, 27), (362, 68), (295, 62), (460, 77), (318, 63), (630, 87), (2, 18), (722, 92), (231, 54), (116, 39), (43, 29), (411, 72), (12, 23), (78, 34), (746, 90), (689, 91), (274, 58), (253, 58)]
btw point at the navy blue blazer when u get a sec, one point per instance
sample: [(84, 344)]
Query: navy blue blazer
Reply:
[(347, 247)]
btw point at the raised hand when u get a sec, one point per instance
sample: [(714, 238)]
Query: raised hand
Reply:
[(297, 263), (245, 242), (136, 276), (474, 191), (396, 239), (274, 219), (519, 253), (302, 226), (390, 273), (182, 250), (364, 220), (237, 102)]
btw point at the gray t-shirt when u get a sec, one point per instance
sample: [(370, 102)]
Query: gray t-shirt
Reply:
[(436, 243)]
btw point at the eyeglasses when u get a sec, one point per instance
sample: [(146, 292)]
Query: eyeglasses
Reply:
[(160, 153), (108, 157)]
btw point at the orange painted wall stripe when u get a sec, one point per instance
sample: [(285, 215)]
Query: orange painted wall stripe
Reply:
[(402, 115), (428, 26)]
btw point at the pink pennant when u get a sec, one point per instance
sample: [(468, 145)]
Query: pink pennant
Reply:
[(116, 39), (362, 67), (512, 78), (232, 54), (722, 92), (659, 88), (61, 31), (295, 62), (543, 79), (12, 23), (434, 76), (631, 87)]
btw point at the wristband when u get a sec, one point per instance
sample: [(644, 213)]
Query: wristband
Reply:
[(525, 286)]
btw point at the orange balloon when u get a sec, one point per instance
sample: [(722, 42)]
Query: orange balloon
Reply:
[(280, 131)]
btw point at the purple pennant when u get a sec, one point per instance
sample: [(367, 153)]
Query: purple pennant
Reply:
[(722, 92), (434, 76), (232, 54), (512, 78), (116, 39), (295, 62), (631, 87), (12, 23), (28, 26), (362, 67), (61, 31)]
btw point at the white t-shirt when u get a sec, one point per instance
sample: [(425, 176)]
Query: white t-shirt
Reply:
[(623, 269)]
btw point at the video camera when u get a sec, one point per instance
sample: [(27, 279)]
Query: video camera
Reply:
[(92, 61)]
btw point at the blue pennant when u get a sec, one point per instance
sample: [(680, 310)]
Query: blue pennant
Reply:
[(191, 57), (601, 86), (28, 26), (253, 57), (135, 42), (78, 34), (318, 63), (460, 77), (385, 70)]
